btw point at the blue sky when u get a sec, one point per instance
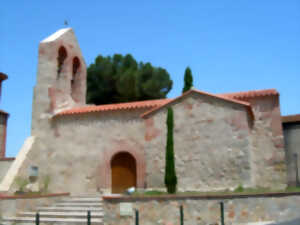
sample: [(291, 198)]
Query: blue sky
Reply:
[(229, 45)]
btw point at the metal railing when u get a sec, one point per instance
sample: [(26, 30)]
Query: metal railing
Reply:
[(222, 218), (37, 216)]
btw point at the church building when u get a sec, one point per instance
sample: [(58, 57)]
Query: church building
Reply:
[(221, 140)]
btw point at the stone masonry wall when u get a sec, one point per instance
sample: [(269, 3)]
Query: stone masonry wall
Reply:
[(211, 145), (13, 205), (3, 124), (292, 143), (160, 211), (213, 142), (269, 165), (74, 154)]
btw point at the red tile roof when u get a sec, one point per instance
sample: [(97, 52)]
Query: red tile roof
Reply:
[(154, 105), (225, 98), (115, 107), (290, 118), (251, 94)]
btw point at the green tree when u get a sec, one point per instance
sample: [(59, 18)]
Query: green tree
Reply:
[(188, 80), (122, 79), (170, 173)]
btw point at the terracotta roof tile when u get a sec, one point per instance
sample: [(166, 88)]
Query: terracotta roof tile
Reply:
[(290, 118), (251, 94), (225, 98), (114, 107), (154, 105)]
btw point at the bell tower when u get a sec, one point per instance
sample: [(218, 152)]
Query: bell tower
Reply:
[(61, 78)]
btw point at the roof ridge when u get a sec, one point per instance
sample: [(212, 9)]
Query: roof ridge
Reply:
[(225, 98), (113, 106), (251, 93)]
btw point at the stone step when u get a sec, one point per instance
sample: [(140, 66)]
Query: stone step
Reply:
[(65, 209), (62, 214), (52, 220), (76, 204)]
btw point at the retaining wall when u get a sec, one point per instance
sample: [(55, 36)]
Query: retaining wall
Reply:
[(11, 205), (202, 210)]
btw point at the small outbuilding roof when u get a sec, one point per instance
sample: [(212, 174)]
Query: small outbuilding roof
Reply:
[(290, 118), (3, 112)]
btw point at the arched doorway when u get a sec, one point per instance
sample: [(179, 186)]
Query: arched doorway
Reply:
[(123, 172)]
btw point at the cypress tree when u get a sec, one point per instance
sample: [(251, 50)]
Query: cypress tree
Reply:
[(170, 173), (188, 80)]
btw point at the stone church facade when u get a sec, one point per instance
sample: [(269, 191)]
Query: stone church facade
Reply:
[(221, 141)]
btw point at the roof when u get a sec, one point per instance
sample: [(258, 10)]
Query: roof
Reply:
[(3, 76), (3, 112), (251, 94), (290, 118), (154, 105), (115, 107), (224, 98), (56, 35)]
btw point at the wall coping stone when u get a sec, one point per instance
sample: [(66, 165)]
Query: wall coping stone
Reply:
[(126, 198), (7, 159), (27, 196)]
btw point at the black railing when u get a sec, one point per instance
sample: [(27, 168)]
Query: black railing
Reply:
[(136, 217), (37, 218), (181, 215), (88, 217), (222, 213)]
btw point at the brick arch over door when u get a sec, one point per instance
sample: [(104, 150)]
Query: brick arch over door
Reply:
[(105, 167)]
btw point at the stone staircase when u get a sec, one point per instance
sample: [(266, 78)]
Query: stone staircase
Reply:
[(70, 210)]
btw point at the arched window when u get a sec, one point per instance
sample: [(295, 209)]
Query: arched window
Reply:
[(62, 55), (75, 78)]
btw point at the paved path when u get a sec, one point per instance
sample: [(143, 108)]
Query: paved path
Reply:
[(291, 222)]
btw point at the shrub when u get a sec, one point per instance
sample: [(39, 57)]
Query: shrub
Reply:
[(240, 188), (21, 183)]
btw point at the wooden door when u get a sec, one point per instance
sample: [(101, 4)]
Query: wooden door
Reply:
[(123, 172)]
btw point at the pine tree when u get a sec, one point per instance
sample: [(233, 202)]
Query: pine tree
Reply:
[(122, 79), (170, 173), (188, 80)]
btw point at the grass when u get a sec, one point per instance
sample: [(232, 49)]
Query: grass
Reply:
[(239, 190), (293, 189)]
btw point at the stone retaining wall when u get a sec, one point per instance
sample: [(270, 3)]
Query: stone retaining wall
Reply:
[(239, 209), (11, 205)]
